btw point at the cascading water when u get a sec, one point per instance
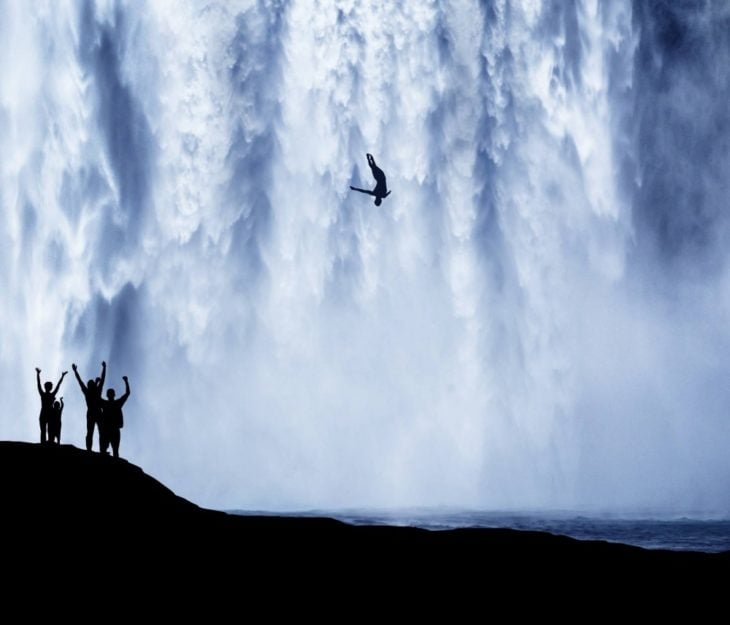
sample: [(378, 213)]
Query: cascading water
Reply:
[(536, 317)]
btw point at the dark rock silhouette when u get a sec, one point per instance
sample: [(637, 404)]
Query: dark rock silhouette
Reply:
[(109, 514), (381, 188)]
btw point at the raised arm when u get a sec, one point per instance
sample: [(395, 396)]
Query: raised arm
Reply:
[(63, 375), (102, 376), (38, 380), (78, 377), (124, 397)]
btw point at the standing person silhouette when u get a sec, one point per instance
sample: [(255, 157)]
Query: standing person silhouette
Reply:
[(381, 189), (112, 419), (54, 425), (92, 393), (47, 398)]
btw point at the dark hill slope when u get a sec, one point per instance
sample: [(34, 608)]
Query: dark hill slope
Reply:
[(62, 504)]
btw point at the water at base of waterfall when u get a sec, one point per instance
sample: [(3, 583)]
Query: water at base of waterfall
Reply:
[(692, 532)]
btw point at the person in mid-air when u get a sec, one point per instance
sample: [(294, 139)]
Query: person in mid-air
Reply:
[(54, 425), (381, 190), (48, 396)]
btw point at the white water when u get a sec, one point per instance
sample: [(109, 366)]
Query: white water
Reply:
[(503, 332)]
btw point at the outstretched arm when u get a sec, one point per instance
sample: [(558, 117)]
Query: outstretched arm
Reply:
[(103, 375), (124, 397), (78, 377), (367, 191), (38, 380), (63, 375)]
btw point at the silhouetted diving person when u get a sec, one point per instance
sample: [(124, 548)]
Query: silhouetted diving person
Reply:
[(381, 190), (92, 394), (112, 419), (47, 398), (54, 425)]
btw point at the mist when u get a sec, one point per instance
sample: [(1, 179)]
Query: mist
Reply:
[(536, 318)]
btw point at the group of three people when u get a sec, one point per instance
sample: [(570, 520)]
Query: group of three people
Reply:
[(104, 414)]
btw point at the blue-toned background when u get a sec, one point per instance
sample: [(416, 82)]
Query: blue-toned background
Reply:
[(537, 317)]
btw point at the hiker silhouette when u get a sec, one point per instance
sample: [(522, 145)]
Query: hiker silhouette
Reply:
[(112, 419), (92, 393), (381, 189), (47, 398), (54, 425)]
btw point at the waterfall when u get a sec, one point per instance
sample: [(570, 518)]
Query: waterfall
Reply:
[(537, 317)]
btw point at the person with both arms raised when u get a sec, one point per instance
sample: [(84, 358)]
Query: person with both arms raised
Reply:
[(112, 419), (47, 398), (92, 393)]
